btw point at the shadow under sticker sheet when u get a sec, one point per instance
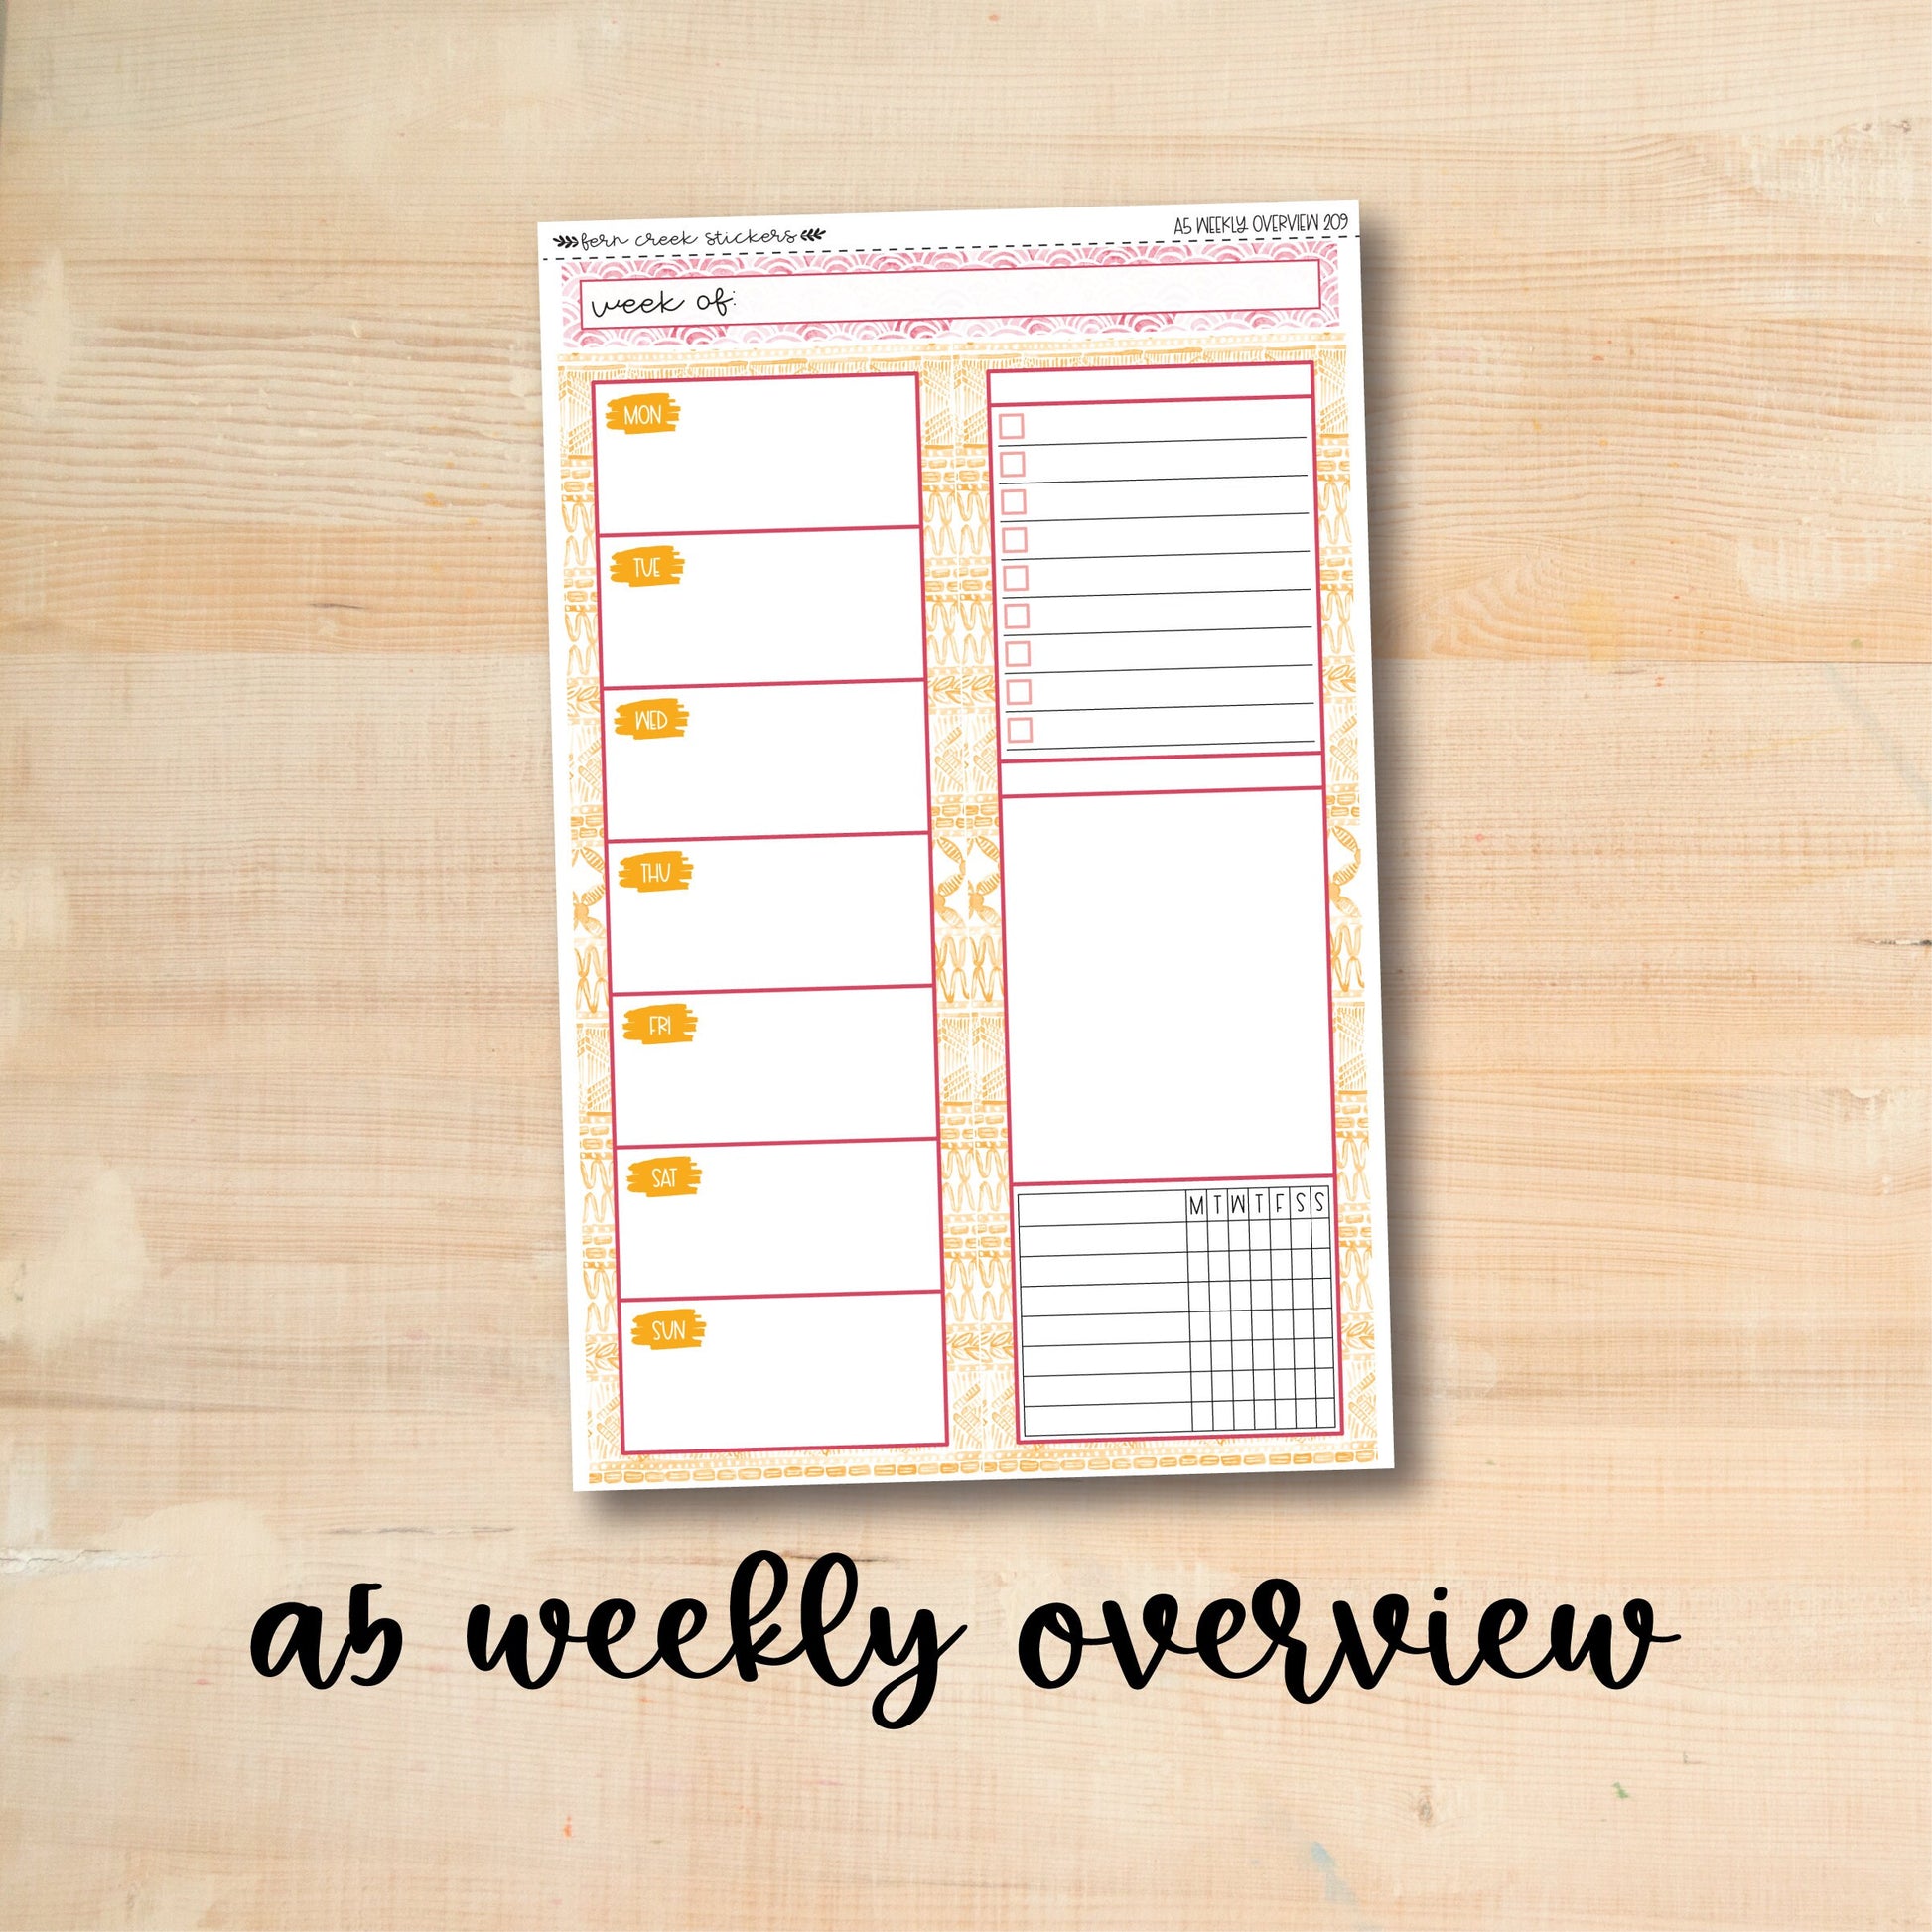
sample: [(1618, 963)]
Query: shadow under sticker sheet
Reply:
[(965, 835)]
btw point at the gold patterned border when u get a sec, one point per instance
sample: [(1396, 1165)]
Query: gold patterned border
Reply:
[(966, 915)]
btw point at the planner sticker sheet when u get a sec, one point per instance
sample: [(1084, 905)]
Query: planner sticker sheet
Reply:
[(965, 845)]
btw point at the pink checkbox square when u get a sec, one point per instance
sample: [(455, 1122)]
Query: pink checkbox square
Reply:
[(1012, 502), (1011, 426), (1020, 655), (1013, 463), (1019, 690), (1013, 577), (1013, 540), (1020, 731), (1019, 618)]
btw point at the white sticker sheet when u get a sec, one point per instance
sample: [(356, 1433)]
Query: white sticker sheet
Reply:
[(966, 845)]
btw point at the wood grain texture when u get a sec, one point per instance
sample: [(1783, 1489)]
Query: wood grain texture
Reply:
[(281, 1274)]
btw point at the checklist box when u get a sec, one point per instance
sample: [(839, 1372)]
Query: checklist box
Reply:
[(1013, 577), (1019, 618), (1019, 690), (1012, 502), (1013, 540), (1020, 731), (1011, 426), (1020, 655), (1013, 463)]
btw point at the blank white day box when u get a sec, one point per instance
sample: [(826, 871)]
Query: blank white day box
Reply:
[(773, 454), (749, 1220), (762, 608)]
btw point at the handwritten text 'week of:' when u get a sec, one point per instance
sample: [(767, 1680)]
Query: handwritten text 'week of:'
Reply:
[(1053, 1640)]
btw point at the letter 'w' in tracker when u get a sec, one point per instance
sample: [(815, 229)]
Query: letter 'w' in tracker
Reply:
[(966, 846)]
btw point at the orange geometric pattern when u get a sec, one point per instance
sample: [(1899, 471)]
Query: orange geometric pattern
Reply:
[(966, 915)]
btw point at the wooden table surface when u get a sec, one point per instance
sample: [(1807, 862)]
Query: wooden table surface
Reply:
[(281, 1225)]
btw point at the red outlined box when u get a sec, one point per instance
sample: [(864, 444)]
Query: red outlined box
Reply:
[(1019, 690), (1013, 577), (1019, 735), (1019, 618), (916, 454), (903, 1310), (1335, 1359), (1012, 425), (1013, 463), (588, 280), (1013, 540)]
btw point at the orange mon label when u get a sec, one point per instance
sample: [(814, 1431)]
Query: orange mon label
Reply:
[(668, 1328), (652, 414)]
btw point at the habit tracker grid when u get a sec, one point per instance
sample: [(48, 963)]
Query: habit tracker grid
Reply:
[(965, 834)]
